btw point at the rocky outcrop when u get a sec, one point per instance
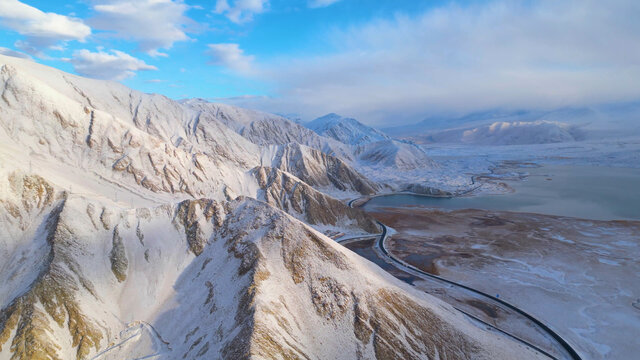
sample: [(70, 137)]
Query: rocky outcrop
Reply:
[(118, 257), (426, 190), (195, 217)]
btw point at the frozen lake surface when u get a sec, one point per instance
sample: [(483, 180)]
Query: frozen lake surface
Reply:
[(588, 192)]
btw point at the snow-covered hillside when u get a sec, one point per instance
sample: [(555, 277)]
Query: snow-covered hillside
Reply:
[(134, 226)]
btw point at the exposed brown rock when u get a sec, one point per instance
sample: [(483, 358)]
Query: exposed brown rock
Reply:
[(55, 291), (188, 216), (118, 257)]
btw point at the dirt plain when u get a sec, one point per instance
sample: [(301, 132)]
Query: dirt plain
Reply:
[(580, 276)]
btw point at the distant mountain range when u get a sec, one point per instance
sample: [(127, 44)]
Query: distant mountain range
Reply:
[(520, 127)]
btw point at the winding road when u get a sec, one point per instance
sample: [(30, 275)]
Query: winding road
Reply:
[(519, 325)]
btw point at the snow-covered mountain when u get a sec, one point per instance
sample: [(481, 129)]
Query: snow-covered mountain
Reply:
[(508, 133), (134, 226), (370, 146), (598, 122), (346, 130)]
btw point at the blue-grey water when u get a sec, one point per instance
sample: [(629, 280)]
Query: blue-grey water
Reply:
[(589, 192)]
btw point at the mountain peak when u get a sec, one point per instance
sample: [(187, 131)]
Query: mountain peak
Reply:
[(346, 130)]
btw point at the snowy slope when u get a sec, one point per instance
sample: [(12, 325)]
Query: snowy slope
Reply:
[(324, 172), (144, 142)]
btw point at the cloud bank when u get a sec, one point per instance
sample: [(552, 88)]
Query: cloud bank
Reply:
[(42, 30), (540, 54), (240, 11), (18, 54), (113, 65), (154, 24), (230, 56), (321, 3)]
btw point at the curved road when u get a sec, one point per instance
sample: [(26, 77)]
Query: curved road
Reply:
[(567, 352)]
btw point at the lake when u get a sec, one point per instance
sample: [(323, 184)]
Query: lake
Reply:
[(589, 192)]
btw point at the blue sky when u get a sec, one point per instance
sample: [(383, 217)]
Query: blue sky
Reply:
[(282, 28), (383, 61)]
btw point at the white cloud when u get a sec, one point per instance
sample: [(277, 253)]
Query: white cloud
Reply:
[(41, 30), (154, 24), (321, 3), (242, 10), (9, 52), (230, 56), (502, 54), (113, 65)]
